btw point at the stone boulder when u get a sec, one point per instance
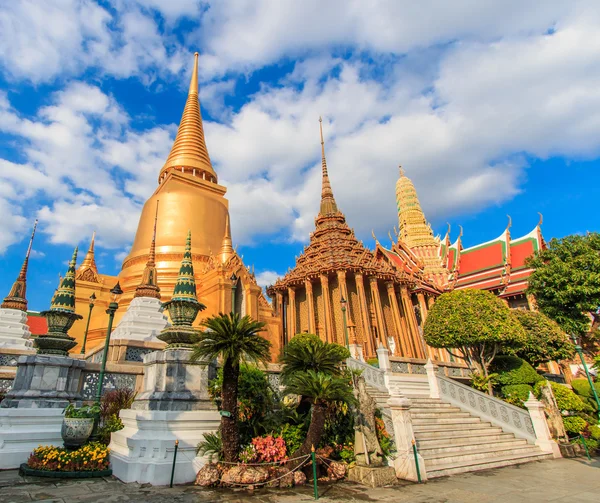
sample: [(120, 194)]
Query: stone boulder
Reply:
[(336, 470), (245, 475), (325, 452), (286, 477), (208, 476), (299, 478)]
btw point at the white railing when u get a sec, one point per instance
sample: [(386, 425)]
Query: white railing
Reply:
[(508, 417), (373, 376)]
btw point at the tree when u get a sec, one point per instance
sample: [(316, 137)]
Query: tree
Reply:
[(322, 390), (544, 339), (234, 339), (308, 352), (566, 280), (475, 322)]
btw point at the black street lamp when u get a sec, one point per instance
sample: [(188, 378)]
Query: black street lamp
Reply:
[(112, 308), (87, 325), (587, 373), (343, 302), (233, 279)]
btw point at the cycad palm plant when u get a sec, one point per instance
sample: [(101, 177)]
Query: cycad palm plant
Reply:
[(234, 339), (321, 389)]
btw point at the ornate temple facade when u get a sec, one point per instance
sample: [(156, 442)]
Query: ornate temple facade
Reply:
[(188, 198), (336, 272)]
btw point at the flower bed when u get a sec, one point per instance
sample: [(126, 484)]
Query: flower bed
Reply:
[(91, 460)]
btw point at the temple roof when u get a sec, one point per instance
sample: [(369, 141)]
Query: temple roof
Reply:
[(333, 245), (189, 149)]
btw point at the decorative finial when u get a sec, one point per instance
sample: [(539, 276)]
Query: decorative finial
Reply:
[(374, 237), (226, 246), (541, 221), (449, 227), (194, 81), (461, 232), (509, 222), (328, 204), (88, 271), (401, 171), (16, 298), (149, 285)]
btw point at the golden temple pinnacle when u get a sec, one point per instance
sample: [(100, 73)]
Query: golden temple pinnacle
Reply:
[(149, 285), (16, 298), (328, 204), (227, 246), (189, 153), (88, 271)]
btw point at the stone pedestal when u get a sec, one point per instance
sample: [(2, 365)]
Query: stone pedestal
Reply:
[(404, 436), (174, 405), (45, 382), (143, 451), (32, 412), (14, 332), (356, 352), (173, 383), (378, 476), (143, 321), (540, 426)]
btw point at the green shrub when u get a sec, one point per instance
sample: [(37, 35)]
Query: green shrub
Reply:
[(583, 389), (594, 431), (590, 443), (516, 394), (374, 362), (566, 399), (513, 370), (574, 425), (293, 436), (111, 424), (211, 446)]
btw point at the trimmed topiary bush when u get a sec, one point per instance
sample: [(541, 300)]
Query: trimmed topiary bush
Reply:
[(566, 399), (514, 370), (583, 389), (594, 431)]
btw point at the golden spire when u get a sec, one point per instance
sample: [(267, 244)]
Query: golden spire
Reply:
[(414, 230), (149, 285), (226, 247), (189, 149), (89, 262), (16, 297), (328, 204)]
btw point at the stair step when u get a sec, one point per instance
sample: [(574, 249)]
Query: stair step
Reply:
[(477, 424), (441, 414), (495, 462), (469, 445), (445, 420), (461, 434), (484, 453), (418, 405), (424, 442)]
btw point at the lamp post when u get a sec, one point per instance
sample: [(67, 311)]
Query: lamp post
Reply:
[(87, 325), (343, 302), (112, 308), (587, 373), (233, 287)]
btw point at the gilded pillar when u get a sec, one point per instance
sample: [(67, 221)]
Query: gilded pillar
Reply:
[(311, 306), (433, 353), (278, 303), (378, 311), (415, 336), (423, 306), (401, 342), (364, 314), (291, 313), (329, 330)]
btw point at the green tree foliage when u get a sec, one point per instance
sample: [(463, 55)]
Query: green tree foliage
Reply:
[(516, 394), (545, 341), (308, 352), (322, 390), (476, 322), (566, 400), (584, 391), (256, 401), (234, 339), (566, 280), (514, 370)]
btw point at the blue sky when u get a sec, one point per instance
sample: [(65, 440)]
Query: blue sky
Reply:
[(493, 108)]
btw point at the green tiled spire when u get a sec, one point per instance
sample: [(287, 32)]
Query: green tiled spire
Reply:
[(185, 287), (64, 299)]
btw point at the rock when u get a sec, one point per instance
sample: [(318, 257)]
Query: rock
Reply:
[(208, 476), (299, 478), (245, 475), (287, 477), (336, 470)]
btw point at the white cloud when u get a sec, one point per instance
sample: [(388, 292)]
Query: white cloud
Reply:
[(266, 278)]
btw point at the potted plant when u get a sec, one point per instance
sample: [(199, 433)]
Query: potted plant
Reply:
[(78, 424)]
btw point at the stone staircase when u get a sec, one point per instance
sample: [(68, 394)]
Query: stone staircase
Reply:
[(452, 441)]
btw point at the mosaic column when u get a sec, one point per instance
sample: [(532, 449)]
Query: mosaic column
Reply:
[(378, 311), (310, 301), (415, 336), (432, 353), (402, 343), (330, 335), (291, 313), (364, 314)]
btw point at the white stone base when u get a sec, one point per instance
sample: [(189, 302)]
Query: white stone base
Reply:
[(143, 451), (14, 331), (23, 430), (143, 320)]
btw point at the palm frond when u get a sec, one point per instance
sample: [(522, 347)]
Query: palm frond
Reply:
[(320, 387)]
